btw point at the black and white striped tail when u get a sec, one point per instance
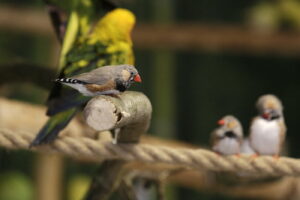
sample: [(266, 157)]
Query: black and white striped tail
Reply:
[(69, 80)]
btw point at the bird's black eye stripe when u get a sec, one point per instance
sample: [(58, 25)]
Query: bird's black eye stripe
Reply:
[(273, 117), (230, 134), (121, 86)]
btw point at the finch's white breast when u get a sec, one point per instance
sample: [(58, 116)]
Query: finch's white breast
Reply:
[(227, 146), (265, 136)]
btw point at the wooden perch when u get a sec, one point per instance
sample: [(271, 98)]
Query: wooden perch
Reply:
[(9, 109), (107, 179), (130, 111)]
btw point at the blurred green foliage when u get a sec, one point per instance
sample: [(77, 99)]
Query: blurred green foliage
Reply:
[(78, 186), (15, 186), (275, 15)]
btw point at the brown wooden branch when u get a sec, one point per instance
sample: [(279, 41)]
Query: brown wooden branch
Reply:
[(126, 192), (49, 169), (130, 112), (107, 179), (179, 36), (215, 38), (9, 109), (28, 20)]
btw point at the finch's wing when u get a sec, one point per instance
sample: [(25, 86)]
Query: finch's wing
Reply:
[(282, 135), (99, 76)]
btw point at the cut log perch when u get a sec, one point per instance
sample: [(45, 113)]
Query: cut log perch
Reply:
[(9, 109), (130, 111)]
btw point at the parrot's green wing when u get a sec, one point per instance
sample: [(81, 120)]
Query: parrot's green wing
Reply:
[(52, 127), (108, 43)]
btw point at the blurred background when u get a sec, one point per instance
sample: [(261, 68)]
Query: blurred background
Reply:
[(199, 60)]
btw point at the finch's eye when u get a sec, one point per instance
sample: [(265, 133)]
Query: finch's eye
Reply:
[(131, 76)]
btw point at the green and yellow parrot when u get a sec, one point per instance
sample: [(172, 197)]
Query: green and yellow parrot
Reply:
[(108, 43)]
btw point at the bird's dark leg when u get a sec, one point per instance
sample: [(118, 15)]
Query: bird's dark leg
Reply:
[(254, 156), (276, 157), (238, 155)]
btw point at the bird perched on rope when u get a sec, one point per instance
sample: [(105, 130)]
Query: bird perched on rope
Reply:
[(107, 80), (268, 130), (107, 43), (228, 137)]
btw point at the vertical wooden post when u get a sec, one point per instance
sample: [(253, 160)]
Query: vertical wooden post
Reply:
[(49, 176), (164, 104)]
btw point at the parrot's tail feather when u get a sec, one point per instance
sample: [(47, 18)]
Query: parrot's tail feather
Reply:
[(53, 126), (70, 80), (70, 100)]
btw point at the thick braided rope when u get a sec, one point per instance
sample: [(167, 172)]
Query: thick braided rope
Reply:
[(199, 159)]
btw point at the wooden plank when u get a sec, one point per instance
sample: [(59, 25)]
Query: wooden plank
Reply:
[(176, 36)]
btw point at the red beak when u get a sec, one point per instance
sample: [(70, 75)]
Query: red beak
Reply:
[(265, 115), (137, 78), (221, 122)]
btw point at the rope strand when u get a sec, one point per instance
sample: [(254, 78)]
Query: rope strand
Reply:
[(198, 159)]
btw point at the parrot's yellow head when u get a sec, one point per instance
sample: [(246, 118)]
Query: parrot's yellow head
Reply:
[(115, 25), (121, 19)]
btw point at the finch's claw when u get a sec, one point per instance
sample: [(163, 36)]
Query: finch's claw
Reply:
[(218, 154), (254, 156), (276, 157)]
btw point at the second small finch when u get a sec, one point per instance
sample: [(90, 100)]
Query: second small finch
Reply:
[(227, 138), (268, 130)]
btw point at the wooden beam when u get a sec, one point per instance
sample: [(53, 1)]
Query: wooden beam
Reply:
[(27, 20), (176, 36), (215, 38)]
